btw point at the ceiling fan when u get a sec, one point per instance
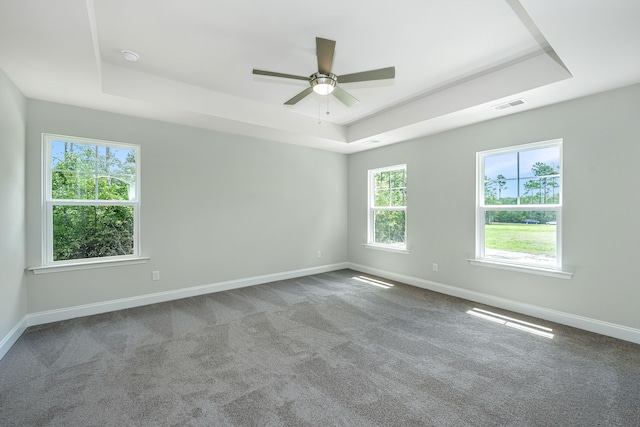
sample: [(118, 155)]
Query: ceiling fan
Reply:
[(324, 82)]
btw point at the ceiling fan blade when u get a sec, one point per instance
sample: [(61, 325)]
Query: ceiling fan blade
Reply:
[(343, 96), (324, 51), (286, 76), (380, 74), (299, 97)]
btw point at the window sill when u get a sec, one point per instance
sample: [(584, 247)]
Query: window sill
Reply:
[(387, 248), (558, 274), (85, 265)]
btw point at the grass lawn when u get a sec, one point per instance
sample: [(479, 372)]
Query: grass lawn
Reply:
[(535, 239)]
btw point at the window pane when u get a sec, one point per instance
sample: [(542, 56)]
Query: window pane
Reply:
[(73, 186), (389, 227), (116, 188), (501, 164), (116, 161), (76, 169), (92, 231), (398, 178), (543, 161), (69, 156), (73, 171), (540, 191), (382, 198), (530, 176), (390, 188), (522, 237), (382, 180), (398, 197), (501, 179), (58, 150)]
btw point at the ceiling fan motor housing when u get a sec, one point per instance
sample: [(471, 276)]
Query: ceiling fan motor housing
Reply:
[(323, 84)]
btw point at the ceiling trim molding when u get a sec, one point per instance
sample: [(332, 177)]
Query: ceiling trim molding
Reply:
[(530, 73)]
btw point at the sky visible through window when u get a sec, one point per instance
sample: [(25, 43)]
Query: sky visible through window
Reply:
[(507, 166), (58, 151)]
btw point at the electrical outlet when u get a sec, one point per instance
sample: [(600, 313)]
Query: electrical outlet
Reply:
[(155, 275), (319, 254), (435, 267)]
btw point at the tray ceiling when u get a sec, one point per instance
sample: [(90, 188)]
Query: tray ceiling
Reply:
[(454, 61)]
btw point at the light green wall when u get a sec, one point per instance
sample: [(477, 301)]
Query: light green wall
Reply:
[(219, 207), (215, 207), (601, 151), (13, 306)]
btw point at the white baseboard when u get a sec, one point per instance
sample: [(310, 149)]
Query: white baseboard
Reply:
[(593, 325), (49, 316), (13, 335)]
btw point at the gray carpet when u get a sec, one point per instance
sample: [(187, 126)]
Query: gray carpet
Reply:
[(323, 350)]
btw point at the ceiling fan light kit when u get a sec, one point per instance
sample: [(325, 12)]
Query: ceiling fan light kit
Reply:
[(324, 82), (323, 85)]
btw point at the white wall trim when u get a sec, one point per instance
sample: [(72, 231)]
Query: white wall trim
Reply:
[(13, 335), (558, 274), (404, 251), (49, 316), (85, 265), (588, 324), (593, 325)]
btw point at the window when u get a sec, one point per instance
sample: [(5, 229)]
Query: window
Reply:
[(519, 208), (388, 207), (91, 200)]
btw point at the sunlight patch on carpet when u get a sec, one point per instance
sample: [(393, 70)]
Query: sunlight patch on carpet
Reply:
[(374, 282), (512, 323)]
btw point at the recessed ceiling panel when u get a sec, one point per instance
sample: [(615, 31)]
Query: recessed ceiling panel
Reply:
[(453, 61), (215, 45)]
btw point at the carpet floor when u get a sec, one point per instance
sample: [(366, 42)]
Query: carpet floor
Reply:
[(333, 349)]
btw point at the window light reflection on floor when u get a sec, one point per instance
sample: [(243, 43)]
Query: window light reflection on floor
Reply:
[(374, 282), (512, 323)]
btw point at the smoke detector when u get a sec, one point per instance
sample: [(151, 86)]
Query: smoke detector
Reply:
[(130, 55)]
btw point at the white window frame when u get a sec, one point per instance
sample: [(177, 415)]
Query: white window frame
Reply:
[(482, 208), (48, 264), (372, 208)]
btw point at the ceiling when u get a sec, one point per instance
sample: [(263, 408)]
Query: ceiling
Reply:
[(455, 60)]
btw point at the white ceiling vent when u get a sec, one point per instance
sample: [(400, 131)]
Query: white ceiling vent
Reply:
[(509, 104)]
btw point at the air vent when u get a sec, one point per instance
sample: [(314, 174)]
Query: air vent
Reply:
[(509, 104)]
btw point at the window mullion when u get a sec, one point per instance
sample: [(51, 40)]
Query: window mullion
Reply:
[(518, 176), (389, 208), (91, 202), (520, 207)]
